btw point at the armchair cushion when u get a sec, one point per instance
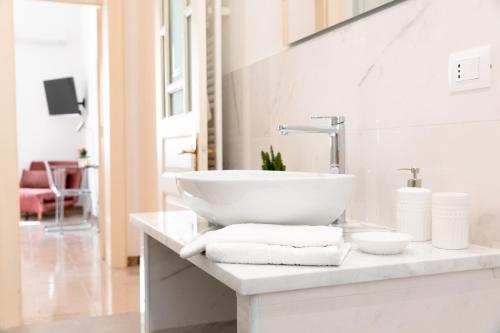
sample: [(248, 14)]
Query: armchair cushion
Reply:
[(34, 179), (73, 176), (32, 199)]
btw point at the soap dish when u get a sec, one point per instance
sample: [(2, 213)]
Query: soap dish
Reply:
[(381, 242)]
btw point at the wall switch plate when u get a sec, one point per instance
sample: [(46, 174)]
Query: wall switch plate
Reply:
[(470, 69)]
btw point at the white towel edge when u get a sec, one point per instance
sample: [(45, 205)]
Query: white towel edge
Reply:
[(343, 254)]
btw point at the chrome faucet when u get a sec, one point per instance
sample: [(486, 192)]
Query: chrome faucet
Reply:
[(336, 132)]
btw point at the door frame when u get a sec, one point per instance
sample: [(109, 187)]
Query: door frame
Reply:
[(112, 132), (111, 117), (10, 248), (114, 208)]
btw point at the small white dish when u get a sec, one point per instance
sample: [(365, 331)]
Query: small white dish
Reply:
[(381, 242)]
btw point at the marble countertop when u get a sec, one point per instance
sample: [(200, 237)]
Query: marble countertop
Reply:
[(176, 228)]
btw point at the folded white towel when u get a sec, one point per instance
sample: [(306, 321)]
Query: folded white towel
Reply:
[(271, 234), (253, 253)]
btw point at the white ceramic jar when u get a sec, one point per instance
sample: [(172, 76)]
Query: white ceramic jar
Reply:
[(413, 212), (450, 220)]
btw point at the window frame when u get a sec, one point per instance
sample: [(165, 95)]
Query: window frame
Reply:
[(183, 84)]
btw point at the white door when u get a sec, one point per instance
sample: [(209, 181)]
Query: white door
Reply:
[(183, 116)]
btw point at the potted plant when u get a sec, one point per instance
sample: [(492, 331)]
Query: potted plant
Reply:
[(83, 157), (270, 161)]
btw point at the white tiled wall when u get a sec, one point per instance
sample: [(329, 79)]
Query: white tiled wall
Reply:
[(387, 73)]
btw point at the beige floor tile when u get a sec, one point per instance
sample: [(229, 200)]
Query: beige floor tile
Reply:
[(124, 323), (63, 277)]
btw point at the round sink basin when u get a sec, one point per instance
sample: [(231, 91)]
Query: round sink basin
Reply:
[(246, 196)]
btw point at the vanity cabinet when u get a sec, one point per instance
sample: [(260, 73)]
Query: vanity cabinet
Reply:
[(422, 290)]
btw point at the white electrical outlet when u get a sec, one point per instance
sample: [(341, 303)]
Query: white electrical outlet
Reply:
[(470, 69)]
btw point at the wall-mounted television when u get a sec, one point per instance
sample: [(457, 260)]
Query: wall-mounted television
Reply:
[(61, 96)]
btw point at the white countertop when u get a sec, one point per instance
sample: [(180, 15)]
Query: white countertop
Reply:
[(177, 228)]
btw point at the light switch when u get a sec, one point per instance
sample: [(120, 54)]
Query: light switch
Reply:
[(470, 69)]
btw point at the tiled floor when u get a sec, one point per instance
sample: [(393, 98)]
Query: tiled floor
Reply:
[(63, 277), (122, 323)]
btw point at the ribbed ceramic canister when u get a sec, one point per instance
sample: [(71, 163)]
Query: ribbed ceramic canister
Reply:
[(413, 212), (450, 220)]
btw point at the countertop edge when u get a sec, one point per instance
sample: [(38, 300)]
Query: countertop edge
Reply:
[(321, 279), (344, 278)]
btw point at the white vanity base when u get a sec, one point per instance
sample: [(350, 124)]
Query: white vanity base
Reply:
[(177, 294), (368, 294), (448, 303)]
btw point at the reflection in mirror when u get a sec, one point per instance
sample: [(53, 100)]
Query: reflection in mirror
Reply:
[(303, 18)]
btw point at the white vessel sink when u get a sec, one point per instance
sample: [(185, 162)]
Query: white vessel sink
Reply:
[(244, 196)]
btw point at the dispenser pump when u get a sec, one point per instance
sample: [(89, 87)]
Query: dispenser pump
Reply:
[(413, 208), (414, 181)]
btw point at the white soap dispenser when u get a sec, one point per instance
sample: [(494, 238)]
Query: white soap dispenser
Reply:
[(413, 208)]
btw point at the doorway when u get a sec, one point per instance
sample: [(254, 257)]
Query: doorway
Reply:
[(63, 274), (127, 125)]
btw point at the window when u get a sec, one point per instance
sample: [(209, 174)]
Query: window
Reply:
[(176, 54)]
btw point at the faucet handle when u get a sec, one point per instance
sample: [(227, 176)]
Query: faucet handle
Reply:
[(334, 120)]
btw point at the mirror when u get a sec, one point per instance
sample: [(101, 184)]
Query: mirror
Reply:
[(303, 18)]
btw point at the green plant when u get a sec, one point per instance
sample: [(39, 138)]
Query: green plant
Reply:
[(270, 161), (82, 152)]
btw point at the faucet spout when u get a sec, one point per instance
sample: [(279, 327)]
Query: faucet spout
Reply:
[(336, 133), (335, 130), (287, 129)]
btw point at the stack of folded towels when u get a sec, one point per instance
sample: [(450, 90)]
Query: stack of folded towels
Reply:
[(272, 244)]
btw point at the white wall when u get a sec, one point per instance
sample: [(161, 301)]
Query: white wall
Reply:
[(48, 46), (252, 32), (387, 73), (55, 40), (89, 49)]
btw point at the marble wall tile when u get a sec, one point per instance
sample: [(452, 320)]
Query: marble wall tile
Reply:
[(454, 157), (387, 73)]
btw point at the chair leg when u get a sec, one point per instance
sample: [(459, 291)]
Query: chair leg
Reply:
[(87, 209), (61, 214), (39, 216)]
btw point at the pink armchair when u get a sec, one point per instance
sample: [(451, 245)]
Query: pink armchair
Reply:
[(35, 195)]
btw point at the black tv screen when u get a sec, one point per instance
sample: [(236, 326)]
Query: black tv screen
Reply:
[(61, 96)]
